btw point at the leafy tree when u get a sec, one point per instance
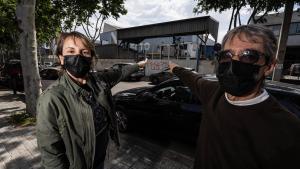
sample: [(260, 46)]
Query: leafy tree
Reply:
[(258, 7), (85, 11), (109, 9)]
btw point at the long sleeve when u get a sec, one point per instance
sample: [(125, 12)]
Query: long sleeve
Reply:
[(203, 89), (49, 139), (113, 77)]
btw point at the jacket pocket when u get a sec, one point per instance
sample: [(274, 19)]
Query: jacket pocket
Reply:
[(61, 123)]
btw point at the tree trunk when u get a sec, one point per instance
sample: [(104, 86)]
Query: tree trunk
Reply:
[(28, 50), (283, 37)]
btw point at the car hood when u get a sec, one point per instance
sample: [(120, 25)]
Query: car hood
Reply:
[(131, 92)]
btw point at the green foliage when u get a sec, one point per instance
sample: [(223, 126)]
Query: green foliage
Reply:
[(258, 6), (53, 16), (78, 11), (8, 26), (21, 118)]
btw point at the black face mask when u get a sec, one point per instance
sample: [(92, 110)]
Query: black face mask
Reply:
[(77, 65), (238, 78)]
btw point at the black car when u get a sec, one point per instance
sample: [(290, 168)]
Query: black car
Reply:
[(170, 106), (48, 76), (136, 76)]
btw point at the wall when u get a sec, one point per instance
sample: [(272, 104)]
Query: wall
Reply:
[(205, 66)]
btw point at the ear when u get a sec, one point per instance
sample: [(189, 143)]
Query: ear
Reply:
[(270, 68), (61, 59)]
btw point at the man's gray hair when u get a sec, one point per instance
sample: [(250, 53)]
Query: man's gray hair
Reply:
[(252, 32)]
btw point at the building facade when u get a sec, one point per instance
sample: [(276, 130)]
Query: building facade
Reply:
[(274, 22)]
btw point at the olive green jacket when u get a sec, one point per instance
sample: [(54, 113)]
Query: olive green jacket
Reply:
[(65, 128)]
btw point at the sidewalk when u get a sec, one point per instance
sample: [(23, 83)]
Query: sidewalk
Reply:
[(18, 147)]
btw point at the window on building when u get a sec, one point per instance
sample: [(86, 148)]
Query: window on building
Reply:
[(298, 28), (293, 28), (275, 29)]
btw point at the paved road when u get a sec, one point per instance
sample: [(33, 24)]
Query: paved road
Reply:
[(18, 148)]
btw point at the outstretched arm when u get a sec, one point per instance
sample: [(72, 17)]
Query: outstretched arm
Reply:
[(199, 87), (113, 77)]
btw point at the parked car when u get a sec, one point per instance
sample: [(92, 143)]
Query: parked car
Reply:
[(136, 76), (12, 75), (48, 64), (157, 78), (295, 69), (171, 106), (293, 76), (49, 75)]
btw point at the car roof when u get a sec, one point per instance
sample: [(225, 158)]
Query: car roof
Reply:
[(53, 68), (280, 86), (123, 64), (270, 85)]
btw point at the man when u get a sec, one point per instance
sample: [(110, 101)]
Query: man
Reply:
[(242, 125)]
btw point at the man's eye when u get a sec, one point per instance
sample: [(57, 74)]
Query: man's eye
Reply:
[(228, 54)]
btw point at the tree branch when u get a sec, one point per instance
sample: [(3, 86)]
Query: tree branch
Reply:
[(231, 19), (99, 33), (260, 18), (252, 15), (88, 25), (96, 27)]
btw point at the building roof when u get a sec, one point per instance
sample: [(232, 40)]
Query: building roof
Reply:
[(109, 27), (191, 26), (277, 18)]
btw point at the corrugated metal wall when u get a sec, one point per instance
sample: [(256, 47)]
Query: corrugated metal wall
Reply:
[(111, 52), (198, 25)]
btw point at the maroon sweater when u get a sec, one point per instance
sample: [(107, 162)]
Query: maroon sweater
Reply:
[(263, 135)]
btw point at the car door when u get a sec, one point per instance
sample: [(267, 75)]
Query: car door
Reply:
[(187, 119)]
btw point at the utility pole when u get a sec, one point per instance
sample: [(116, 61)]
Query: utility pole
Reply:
[(283, 37)]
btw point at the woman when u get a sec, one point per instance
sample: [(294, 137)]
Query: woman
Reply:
[(76, 113)]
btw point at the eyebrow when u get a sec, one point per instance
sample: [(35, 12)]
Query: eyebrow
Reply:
[(69, 47)]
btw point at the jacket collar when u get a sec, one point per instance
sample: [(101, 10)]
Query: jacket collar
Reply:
[(73, 86)]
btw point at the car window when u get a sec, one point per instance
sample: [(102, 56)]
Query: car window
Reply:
[(183, 94), (116, 66), (165, 92)]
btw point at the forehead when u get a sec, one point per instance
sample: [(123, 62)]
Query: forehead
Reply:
[(242, 41), (74, 42)]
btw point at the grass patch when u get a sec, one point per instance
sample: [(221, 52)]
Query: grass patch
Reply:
[(21, 118)]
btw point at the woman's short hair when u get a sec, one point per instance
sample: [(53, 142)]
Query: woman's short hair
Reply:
[(252, 32), (63, 36)]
